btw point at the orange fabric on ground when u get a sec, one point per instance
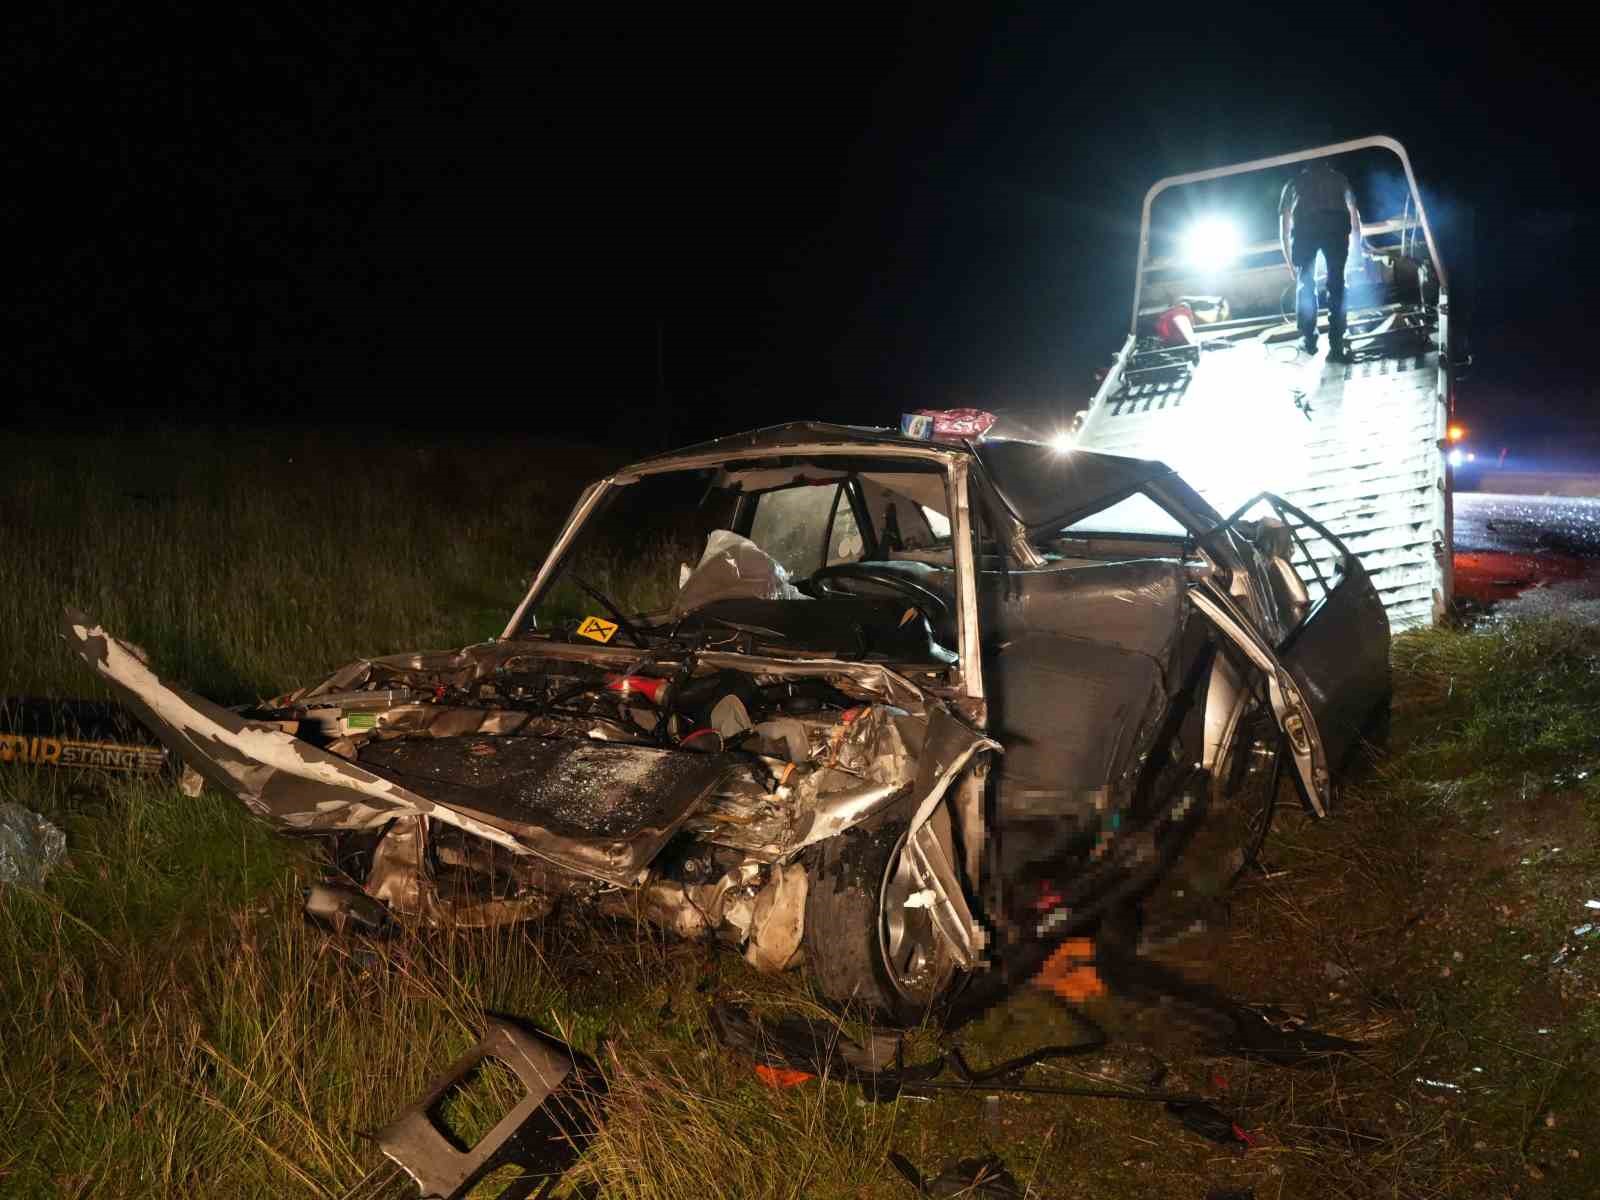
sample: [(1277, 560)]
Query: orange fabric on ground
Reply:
[(1070, 973)]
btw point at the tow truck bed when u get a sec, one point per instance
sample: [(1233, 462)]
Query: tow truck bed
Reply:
[(1360, 446), (1356, 446)]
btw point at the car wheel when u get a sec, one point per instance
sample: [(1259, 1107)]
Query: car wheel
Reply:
[(865, 948)]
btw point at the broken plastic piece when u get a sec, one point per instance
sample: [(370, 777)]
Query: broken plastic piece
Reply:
[(1271, 1035), (543, 1133), (818, 1048), (782, 1077), (345, 909), (1209, 1122)]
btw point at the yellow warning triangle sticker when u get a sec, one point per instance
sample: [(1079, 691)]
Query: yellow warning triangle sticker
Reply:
[(597, 629)]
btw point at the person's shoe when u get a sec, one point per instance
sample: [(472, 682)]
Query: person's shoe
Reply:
[(1338, 354), (1309, 345)]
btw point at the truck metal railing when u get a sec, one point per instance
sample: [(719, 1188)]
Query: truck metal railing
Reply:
[(1369, 231), (1379, 142)]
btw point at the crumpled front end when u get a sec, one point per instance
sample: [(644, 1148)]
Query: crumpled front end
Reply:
[(481, 786)]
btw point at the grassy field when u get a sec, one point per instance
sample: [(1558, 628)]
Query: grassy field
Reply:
[(171, 1026)]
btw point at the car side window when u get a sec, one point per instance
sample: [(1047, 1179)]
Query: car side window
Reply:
[(792, 525)]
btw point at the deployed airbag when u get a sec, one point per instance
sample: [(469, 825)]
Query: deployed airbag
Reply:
[(734, 568)]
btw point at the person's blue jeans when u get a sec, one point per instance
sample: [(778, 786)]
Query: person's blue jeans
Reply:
[(1328, 232)]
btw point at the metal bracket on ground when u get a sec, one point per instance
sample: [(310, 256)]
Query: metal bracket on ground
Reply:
[(542, 1134)]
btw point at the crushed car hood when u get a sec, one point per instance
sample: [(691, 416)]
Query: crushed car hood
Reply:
[(275, 773), (569, 795)]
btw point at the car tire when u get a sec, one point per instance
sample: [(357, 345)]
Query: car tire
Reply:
[(854, 883)]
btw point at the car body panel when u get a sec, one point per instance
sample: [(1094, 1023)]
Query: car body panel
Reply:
[(1052, 700), (273, 772), (1339, 651), (1083, 659)]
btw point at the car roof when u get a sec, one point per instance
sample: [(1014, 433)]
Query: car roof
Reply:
[(1038, 482), (799, 433)]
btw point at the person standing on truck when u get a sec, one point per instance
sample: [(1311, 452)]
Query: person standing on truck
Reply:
[(1317, 211)]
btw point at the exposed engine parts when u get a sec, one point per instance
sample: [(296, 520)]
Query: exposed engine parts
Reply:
[(791, 759)]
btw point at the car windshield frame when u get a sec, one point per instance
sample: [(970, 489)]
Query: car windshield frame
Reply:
[(953, 462)]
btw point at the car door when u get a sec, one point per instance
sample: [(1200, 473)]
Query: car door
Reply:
[(1338, 649), (1325, 619)]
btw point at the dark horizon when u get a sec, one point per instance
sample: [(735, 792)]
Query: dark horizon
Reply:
[(480, 219)]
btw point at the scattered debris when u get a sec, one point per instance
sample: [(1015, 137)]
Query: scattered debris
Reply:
[(782, 1077), (1272, 1035), (819, 1049), (792, 1050), (346, 909), (1262, 1032), (543, 1134), (980, 1178), (1209, 1122), (29, 845)]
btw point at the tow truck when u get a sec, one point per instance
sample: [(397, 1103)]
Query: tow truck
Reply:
[(1359, 449)]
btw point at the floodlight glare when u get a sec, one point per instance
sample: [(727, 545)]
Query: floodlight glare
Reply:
[(1211, 244)]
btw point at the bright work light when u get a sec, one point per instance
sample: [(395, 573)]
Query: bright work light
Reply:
[(1211, 244)]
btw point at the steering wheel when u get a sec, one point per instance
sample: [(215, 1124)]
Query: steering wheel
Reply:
[(935, 607)]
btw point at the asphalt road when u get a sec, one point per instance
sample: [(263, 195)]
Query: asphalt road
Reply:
[(1491, 523)]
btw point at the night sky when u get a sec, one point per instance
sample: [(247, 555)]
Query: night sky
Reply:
[(487, 216)]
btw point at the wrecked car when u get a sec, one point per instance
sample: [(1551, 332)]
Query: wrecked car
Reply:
[(882, 702)]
